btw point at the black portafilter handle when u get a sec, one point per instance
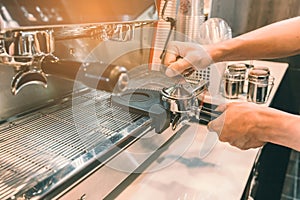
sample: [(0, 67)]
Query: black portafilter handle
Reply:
[(97, 75), (206, 115)]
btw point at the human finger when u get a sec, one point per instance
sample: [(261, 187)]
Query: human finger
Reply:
[(188, 71), (211, 126), (221, 107), (170, 57), (177, 67), (172, 52), (214, 126)]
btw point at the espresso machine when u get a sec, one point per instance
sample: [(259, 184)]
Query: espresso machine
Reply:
[(70, 114), (59, 63)]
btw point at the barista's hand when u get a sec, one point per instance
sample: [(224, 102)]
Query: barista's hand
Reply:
[(241, 125), (191, 55)]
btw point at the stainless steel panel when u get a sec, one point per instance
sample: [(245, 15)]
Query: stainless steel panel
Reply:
[(47, 143), (51, 138), (31, 97), (26, 13)]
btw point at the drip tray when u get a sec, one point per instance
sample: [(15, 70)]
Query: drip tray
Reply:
[(39, 151), (145, 102)]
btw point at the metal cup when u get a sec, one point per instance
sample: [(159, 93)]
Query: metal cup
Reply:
[(234, 80), (231, 84), (241, 70), (260, 85), (262, 68)]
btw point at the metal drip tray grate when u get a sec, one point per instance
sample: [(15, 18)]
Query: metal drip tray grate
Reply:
[(36, 147)]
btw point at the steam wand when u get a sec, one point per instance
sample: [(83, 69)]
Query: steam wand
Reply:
[(172, 27)]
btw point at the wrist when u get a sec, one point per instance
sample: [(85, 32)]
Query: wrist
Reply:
[(229, 50), (279, 128), (215, 52)]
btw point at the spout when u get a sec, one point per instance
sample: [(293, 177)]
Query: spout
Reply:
[(25, 50), (28, 77)]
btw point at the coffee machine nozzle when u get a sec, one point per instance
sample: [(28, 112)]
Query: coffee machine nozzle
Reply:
[(24, 50)]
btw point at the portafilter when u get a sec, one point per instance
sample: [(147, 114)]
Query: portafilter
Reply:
[(170, 105)]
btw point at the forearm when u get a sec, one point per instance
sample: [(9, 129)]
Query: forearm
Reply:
[(280, 39), (280, 128)]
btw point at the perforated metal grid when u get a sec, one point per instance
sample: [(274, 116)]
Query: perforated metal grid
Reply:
[(37, 146)]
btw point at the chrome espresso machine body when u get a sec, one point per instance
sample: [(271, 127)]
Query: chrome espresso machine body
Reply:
[(57, 125)]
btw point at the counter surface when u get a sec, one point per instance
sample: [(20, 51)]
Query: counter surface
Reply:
[(196, 165)]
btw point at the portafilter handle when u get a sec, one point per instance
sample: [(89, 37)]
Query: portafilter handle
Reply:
[(201, 115), (204, 114)]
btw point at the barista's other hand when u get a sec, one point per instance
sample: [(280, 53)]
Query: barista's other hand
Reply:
[(240, 125), (181, 56)]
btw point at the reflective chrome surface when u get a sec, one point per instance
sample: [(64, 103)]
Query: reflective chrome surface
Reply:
[(18, 46), (177, 99), (27, 77), (42, 150), (23, 13), (29, 30), (182, 98), (25, 50), (260, 85)]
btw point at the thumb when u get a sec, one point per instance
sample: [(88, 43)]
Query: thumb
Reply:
[(177, 67), (221, 107), (210, 126)]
